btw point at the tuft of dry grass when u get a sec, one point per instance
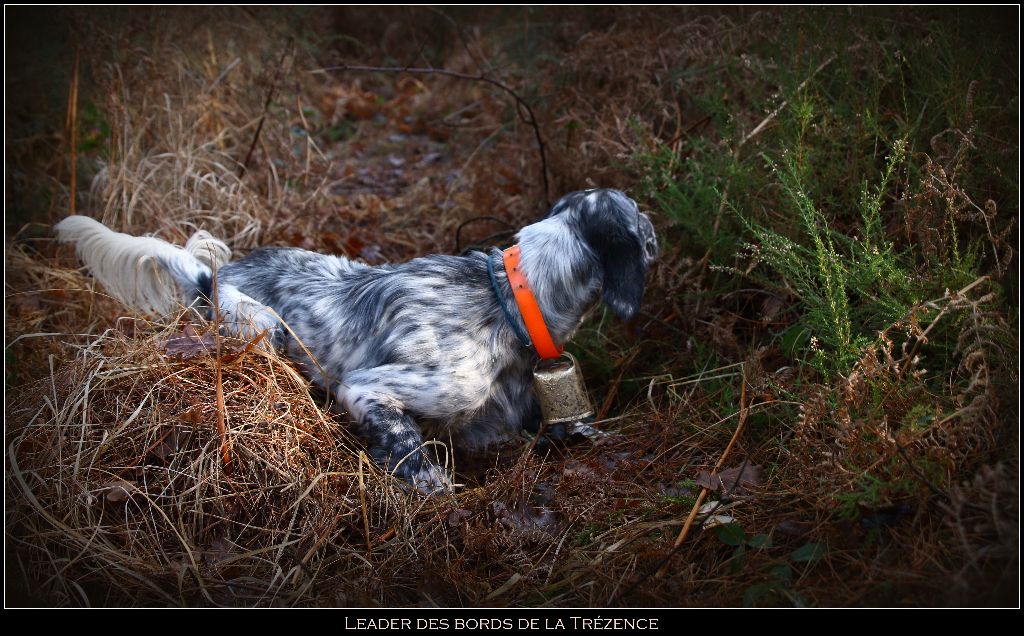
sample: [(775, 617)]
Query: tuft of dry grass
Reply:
[(122, 476)]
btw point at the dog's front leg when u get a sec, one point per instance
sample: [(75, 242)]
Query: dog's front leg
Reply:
[(242, 316), (394, 439)]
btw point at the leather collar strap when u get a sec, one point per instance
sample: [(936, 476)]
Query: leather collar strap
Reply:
[(528, 307)]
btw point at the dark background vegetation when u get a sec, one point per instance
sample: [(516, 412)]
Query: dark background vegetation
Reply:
[(836, 193)]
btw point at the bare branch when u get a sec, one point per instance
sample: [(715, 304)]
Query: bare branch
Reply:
[(266, 108)]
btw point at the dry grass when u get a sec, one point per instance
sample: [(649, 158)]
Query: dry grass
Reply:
[(652, 102), (122, 497), (123, 473)]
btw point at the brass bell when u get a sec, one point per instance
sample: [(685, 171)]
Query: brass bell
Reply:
[(563, 397)]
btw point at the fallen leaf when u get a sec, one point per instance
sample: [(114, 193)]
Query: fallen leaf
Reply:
[(526, 518), (457, 516), (190, 344), (118, 490), (734, 481), (718, 520), (709, 507), (194, 415), (166, 449)]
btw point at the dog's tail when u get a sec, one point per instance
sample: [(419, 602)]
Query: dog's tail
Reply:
[(143, 272)]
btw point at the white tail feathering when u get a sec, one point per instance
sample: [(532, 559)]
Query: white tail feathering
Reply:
[(141, 271), (210, 251)]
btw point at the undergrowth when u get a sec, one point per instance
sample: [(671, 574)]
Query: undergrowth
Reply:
[(864, 205)]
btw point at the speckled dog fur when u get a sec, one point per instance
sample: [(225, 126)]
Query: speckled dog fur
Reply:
[(423, 347)]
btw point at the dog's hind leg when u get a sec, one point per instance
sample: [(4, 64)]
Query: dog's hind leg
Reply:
[(395, 440)]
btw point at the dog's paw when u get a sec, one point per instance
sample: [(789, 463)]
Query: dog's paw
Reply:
[(425, 476), (431, 479)]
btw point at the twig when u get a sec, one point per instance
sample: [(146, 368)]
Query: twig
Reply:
[(266, 108), (664, 565), (614, 390), (222, 428), (527, 117), (72, 132), (920, 475), (362, 504), (744, 411), (458, 230)]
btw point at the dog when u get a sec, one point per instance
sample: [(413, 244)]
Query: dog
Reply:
[(435, 346)]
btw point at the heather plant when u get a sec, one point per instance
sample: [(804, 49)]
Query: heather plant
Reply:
[(824, 269)]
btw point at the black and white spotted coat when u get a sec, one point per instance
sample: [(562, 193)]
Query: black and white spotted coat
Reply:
[(423, 348)]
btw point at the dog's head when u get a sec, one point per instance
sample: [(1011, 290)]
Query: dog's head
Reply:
[(620, 239)]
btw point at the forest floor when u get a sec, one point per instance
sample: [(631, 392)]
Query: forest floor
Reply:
[(817, 404)]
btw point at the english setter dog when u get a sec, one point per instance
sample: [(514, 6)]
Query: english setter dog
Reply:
[(432, 346)]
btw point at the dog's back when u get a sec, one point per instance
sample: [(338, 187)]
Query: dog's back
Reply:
[(350, 315)]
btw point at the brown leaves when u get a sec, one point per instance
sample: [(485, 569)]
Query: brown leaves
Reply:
[(190, 344), (341, 100), (118, 491), (458, 516), (523, 518), (734, 481)]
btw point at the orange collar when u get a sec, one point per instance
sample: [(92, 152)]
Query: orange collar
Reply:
[(528, 307)]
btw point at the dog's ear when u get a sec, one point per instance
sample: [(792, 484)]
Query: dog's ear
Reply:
[(621, 258)]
